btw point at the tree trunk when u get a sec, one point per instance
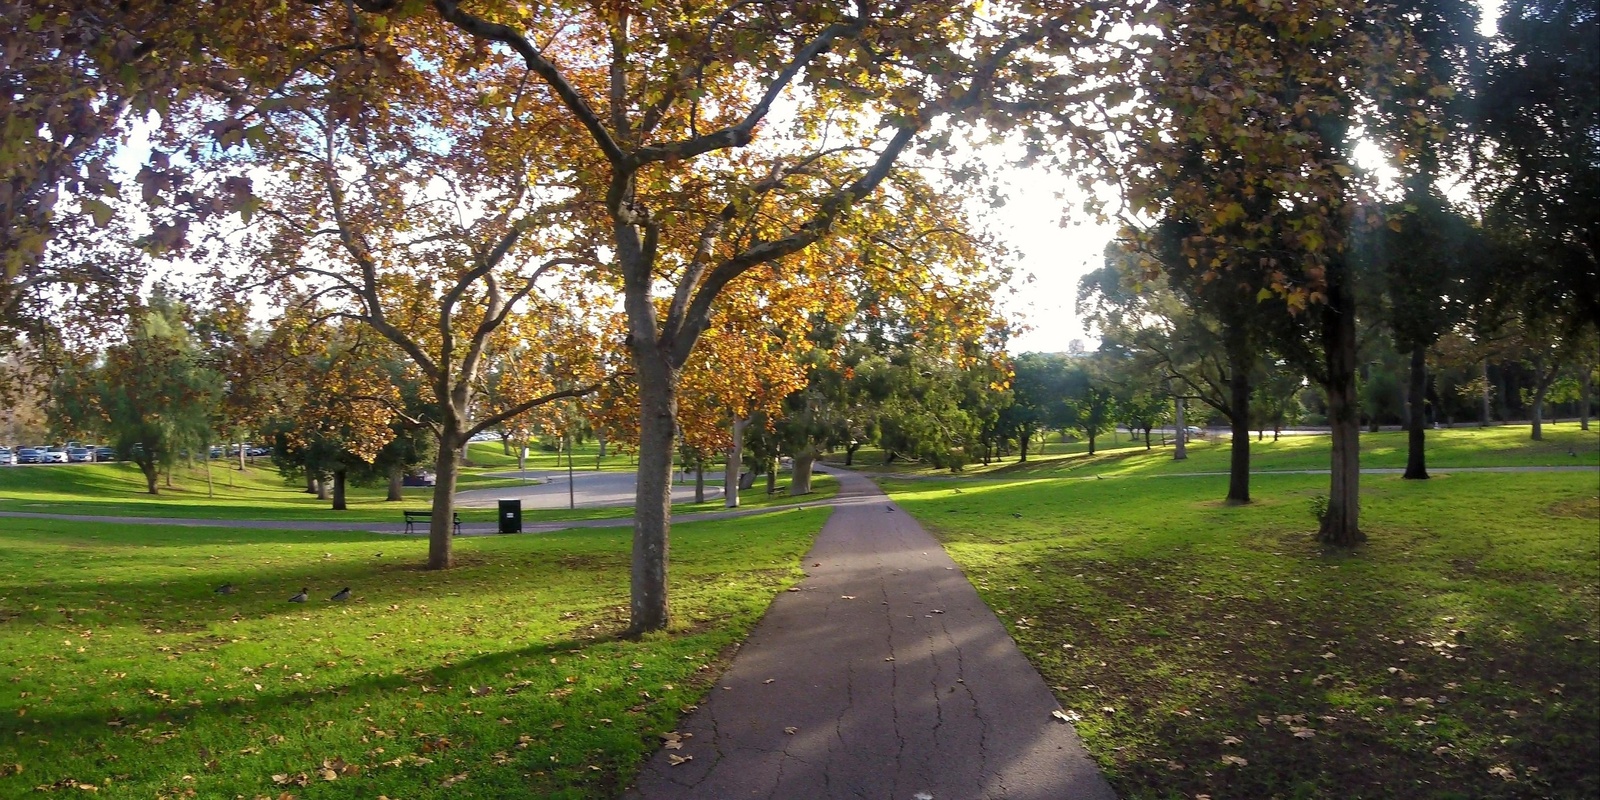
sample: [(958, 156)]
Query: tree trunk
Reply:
[(1147, 438), (1239, 417), (730, 472), (397, 474), (505, 444), (652, 519), (1178, 450), (1022, 444), (1483, 410), (241, 456), (441, 525), (602, 454), (1536, 415), (800, 482), (1585, 395), (699, 479), (322, 487), (1341, 524), (772, 477), (338, 490), (851, 448), (151, 475), (311, 482), (1091, 444), (1416, 435)]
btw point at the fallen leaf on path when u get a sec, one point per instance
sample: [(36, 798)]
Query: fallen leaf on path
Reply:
[(847, 597), (791, 730), (675, 760)]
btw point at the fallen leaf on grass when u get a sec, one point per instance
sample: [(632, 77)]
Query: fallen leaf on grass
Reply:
[(452, 780), (1502, 771), (1235, 761), (1227, 740), (1303, 733), (1066, 716)]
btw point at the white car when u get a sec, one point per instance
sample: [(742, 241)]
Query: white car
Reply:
[(53, 455)]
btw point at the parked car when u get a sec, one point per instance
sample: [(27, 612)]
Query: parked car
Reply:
[(256, 452), (80, 455), (420, 479), (7, 458), (27, 455), (105, 454)]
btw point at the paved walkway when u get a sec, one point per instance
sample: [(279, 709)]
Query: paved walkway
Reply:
[(884, 677), (590, 489)]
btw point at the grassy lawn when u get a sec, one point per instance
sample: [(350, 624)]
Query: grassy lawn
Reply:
[(1214, 650), (259, 493), (1449, 447), (501, 678)]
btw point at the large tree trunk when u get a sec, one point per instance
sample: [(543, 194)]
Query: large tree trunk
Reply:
[(151, 475), (441, 525), (1341, 524), (1540, 386), (241, 456), (731, 470), (338, 490), (1416, 435), (397, 476), (1239, 419), (800, 482), (1585, 395), (1179, 452), (772, 477), (652, 518)]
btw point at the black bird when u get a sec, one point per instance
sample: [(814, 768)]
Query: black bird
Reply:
[(1017, 514), (226, 588), (378, 554), (299, 598), (342, 594)]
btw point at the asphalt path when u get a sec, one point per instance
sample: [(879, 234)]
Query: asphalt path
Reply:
[(593, 489), (883, 676)]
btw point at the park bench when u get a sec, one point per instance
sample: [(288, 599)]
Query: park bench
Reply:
[(413, 517)]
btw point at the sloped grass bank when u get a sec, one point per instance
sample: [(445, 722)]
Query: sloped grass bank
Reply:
[(124, 670), (1215, 650)]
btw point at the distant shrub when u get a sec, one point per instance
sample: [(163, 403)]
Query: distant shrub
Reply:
[(1319, 507)]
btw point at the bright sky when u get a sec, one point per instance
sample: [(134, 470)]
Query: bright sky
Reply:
[(1051, 258)]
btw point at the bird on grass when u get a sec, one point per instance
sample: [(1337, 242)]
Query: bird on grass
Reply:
[(378, 554), (342, 594), (226, 588), (299, 598), (1017, 514)]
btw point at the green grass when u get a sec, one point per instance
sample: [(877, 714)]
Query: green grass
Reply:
[(1450, 447), (500, 678), (1456, 655), (259, 493), (490, 455)]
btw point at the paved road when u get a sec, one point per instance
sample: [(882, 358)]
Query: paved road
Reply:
[(590, 490), (884, 676)]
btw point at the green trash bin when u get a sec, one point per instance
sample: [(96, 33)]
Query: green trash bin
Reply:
[(511, 516)]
